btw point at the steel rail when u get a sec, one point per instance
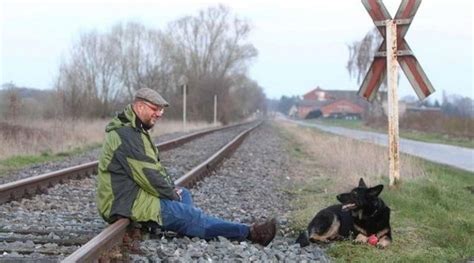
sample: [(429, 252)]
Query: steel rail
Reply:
[(115, 233), (37, 184)]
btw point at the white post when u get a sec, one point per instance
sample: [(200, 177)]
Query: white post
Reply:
[(215, 110), (183, 82), (392, 73), (184, 107)]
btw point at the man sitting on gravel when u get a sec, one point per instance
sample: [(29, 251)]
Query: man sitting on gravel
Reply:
[(132, 183)]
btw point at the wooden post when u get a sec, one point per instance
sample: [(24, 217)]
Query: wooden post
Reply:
[(183, 82), (184, 107), (215, 110), (392, 73)]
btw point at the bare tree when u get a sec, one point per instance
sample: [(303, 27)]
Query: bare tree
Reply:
[(73, 96), (131, 39), (457, 105), (209, 49), (213, 43), (140, 60), (88, 79), (102, 68), (361, 54), (248, 97), (13, 101)]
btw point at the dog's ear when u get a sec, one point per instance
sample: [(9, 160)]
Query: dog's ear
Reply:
[(362, 183), (375, 191), (344, 198)]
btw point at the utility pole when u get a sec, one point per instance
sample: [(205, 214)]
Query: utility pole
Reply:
[(183, 82), (215, 110)]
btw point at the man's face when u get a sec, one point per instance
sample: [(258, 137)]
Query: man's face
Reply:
[(149, 113)]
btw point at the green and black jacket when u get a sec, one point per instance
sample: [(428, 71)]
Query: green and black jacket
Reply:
[(131, 179)]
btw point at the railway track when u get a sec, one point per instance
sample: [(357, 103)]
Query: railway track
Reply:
[(56, 219), (11, 190)]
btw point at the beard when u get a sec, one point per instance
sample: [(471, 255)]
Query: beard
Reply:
[(148, 125), (145, 124)]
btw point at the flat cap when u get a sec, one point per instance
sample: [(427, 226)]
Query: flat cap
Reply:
[(151, 96)]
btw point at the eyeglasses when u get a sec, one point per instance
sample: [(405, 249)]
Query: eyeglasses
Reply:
[(154, 108)]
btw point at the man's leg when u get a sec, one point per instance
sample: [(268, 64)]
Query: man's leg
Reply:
[(190, 221)]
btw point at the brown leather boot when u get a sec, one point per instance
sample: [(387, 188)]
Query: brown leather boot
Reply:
[(263, 233)]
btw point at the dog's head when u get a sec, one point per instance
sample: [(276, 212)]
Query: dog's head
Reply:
[(360, 197)]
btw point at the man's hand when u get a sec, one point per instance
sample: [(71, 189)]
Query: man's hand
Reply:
[(179, 193)]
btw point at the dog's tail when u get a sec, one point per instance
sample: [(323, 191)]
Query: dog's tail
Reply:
[(303, 239)]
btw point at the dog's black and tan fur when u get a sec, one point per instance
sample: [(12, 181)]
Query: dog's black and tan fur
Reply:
[(331, 223), (361, 212)]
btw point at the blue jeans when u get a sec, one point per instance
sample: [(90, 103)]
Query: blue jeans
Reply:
[(184, 218)]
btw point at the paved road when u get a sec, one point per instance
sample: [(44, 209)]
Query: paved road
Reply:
[(459, 157)]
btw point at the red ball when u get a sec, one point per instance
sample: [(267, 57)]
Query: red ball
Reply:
[(373, 240)]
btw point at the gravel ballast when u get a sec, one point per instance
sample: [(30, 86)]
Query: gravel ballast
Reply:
[(248, 187)]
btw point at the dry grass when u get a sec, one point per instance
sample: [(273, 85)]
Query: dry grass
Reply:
[(55, 136), (344, 160)]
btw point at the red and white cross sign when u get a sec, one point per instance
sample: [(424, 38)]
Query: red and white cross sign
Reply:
[(405, 57)]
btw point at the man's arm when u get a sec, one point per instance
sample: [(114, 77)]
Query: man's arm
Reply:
[(147, 174)]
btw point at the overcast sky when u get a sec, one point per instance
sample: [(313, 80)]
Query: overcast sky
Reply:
[(302, 43)]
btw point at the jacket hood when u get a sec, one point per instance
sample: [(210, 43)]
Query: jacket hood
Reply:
[(125, 118)]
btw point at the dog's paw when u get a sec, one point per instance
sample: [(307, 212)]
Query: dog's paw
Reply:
[(361, 238), (326, 241), (383, 243), (303, 239)]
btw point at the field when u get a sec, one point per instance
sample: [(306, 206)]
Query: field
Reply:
[(432, 214)]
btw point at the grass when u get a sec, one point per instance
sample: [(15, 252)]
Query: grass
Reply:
[(21, 161), (344, 159), (37, 137), (351, 124), (437, 138), (432, 213), (432, 220), (18, 162), (430, 137)]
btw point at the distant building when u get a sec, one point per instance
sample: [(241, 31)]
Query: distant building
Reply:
[(342, 109), (332, 104), (413, 108)]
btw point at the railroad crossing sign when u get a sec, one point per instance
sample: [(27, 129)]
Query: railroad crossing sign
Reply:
[(384, 66), (406, 59)]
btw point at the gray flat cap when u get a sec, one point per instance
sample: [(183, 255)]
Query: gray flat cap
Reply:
[(151, 96)]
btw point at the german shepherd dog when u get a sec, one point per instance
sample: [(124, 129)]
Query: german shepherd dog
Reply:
[(361, 213)]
